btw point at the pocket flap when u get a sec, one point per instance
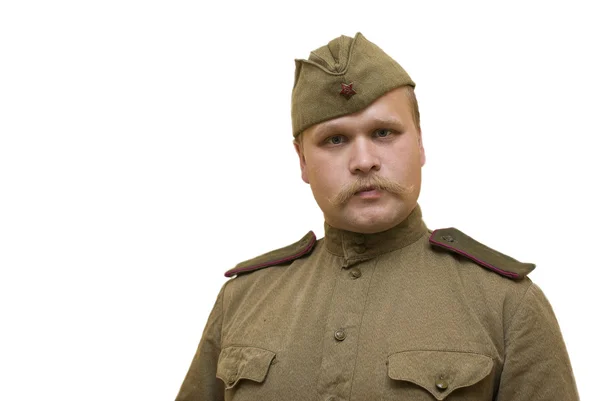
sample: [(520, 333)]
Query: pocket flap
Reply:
[(237, 363), (439, 372)]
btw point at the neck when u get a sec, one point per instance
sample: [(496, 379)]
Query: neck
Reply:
[(355, 247)]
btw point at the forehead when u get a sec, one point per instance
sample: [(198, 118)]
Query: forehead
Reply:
[(393, 108)]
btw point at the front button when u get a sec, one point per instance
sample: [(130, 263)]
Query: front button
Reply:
[(360, 249), (340, 335), (355, 273), (359, 240)]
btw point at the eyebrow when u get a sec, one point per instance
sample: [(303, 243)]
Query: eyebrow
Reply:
[(322, 130), (389, 121), (328, 127)]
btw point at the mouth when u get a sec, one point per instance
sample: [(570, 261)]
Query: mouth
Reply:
[(366, 189), (369, 193)]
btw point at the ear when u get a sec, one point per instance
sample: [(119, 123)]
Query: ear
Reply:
[(300, 153), (421, 148)]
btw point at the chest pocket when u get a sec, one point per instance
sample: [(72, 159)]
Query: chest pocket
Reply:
[(238, 363), (441, 372)]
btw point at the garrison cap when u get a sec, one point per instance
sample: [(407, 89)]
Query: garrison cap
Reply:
[(343, 77)]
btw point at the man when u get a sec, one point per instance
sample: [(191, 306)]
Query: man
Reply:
[(381, 308)]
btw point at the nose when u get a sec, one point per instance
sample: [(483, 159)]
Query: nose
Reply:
[(364, 158)]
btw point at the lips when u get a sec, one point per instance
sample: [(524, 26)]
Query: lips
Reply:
[(366, 189), (369, 193)]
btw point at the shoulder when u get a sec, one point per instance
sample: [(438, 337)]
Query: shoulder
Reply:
[(276, 257), (456, 242), (492, 282)]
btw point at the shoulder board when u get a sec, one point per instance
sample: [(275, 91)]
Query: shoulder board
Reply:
[(455, 241), (276, 257)]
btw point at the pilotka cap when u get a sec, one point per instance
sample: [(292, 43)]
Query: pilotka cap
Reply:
[(343, 77)]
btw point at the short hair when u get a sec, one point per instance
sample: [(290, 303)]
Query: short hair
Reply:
[(410, 93)]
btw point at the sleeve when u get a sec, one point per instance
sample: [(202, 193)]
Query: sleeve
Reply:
[(201, 383), (536, 363)]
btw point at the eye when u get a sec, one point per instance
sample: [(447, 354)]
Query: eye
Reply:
[(382, 133), (334, 140)]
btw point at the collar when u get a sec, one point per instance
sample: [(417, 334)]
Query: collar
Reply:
[(356, 247)]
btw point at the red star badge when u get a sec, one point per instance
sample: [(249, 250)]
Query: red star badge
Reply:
[(347, 90)]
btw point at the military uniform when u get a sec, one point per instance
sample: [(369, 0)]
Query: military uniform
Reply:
[(404, 314)]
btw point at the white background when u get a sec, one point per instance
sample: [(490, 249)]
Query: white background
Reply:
[(145, 148)]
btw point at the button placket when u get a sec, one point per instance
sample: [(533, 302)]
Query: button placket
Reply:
[(346, 309)]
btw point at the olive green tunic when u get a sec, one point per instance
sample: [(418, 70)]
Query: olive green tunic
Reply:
[(386, 316)]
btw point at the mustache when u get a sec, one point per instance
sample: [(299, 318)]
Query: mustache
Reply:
[(368, 183)]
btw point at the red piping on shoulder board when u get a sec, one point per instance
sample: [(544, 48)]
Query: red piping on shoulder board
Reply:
[(302, 252), (473, 258)]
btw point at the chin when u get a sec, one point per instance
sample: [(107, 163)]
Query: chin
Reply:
[(369, 223), (370, 218)]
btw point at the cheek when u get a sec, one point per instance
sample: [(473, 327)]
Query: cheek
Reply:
[(325, 177), (405, 165)]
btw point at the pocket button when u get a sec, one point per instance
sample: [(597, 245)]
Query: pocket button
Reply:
[(441, 383)]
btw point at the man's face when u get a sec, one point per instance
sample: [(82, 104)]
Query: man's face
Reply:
[(364, 169)]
